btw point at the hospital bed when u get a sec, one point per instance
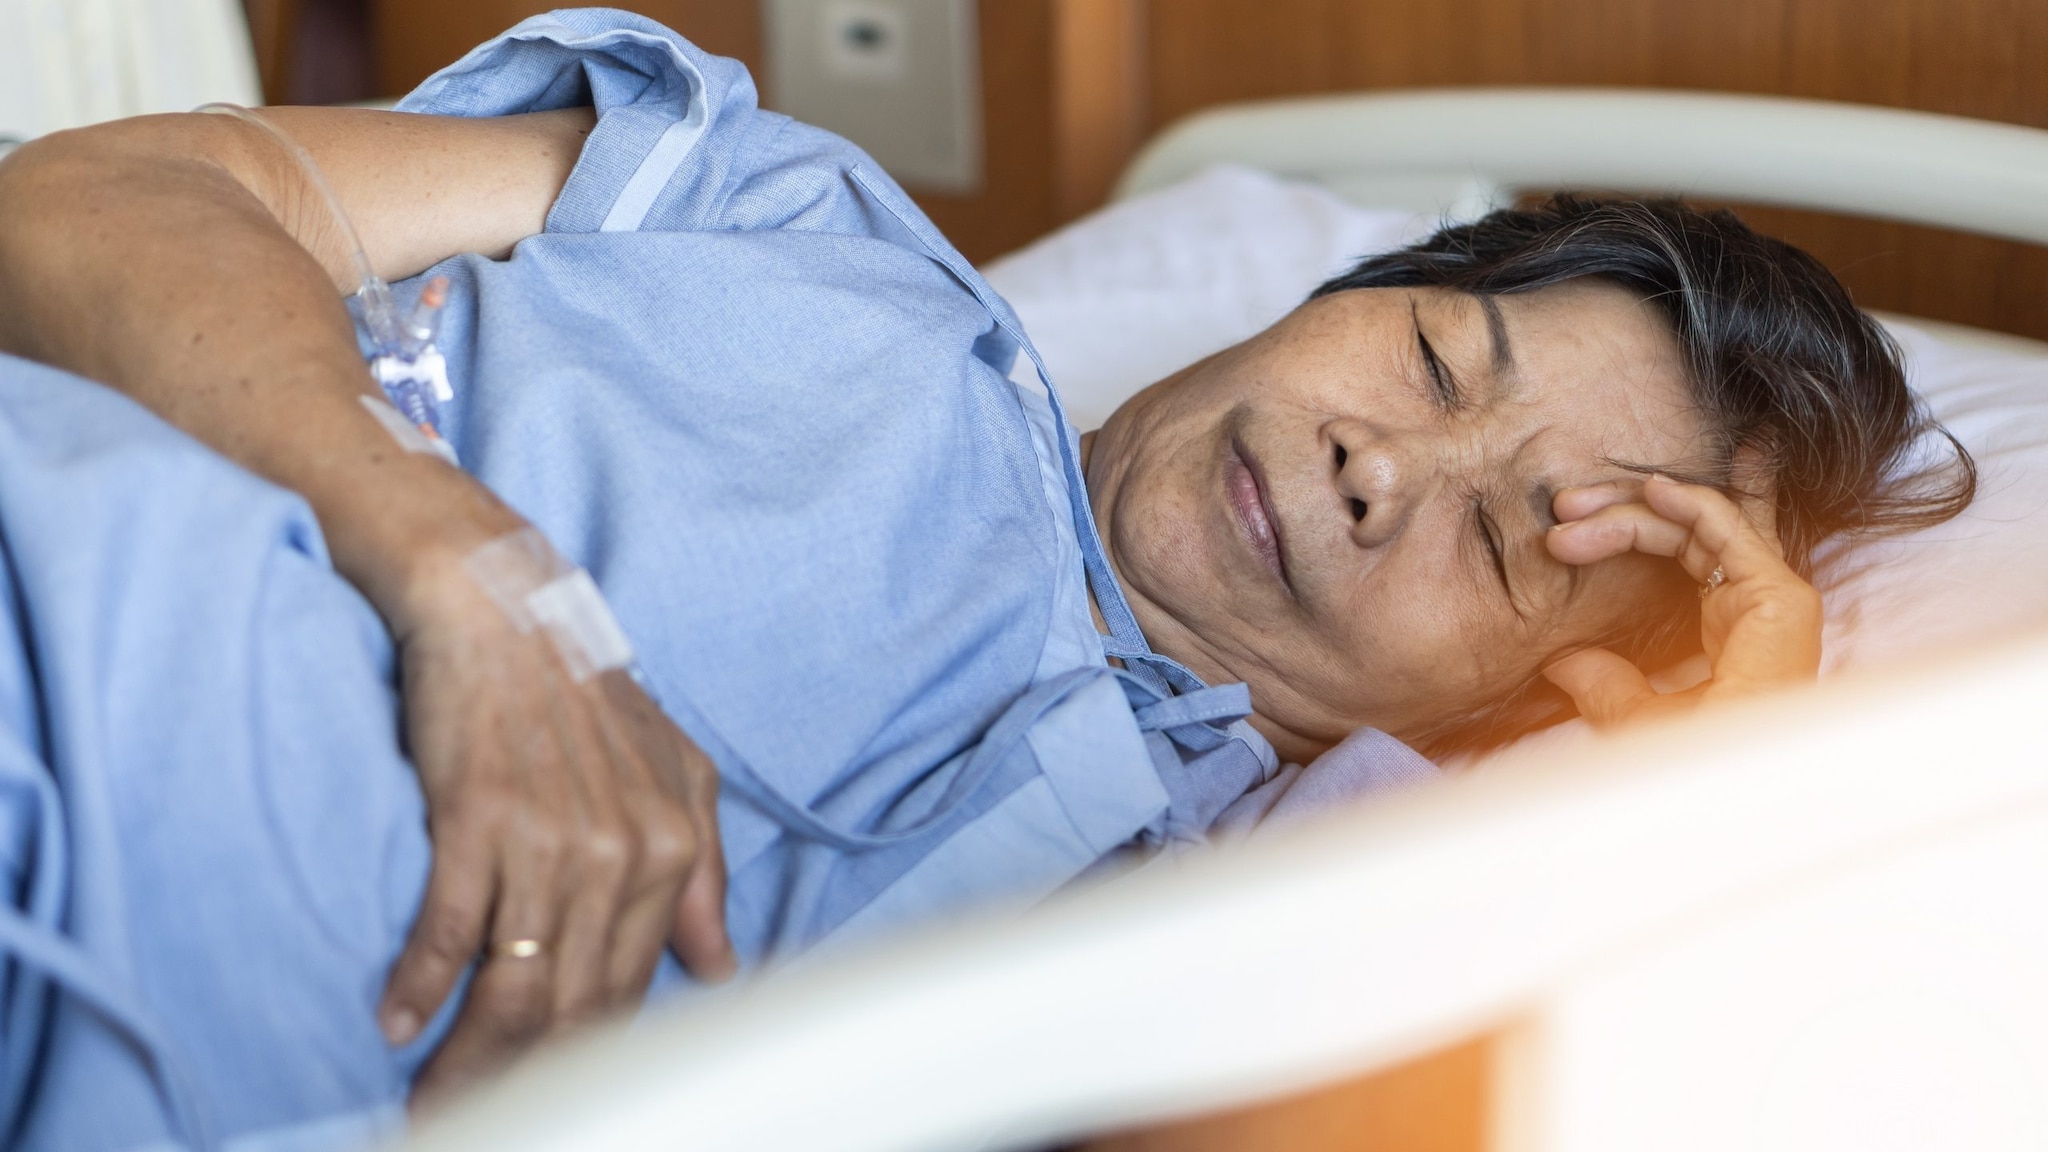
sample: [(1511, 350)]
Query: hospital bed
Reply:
[(1812, 922)]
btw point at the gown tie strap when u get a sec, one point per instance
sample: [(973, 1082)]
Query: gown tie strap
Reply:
[(1002, 737), (1197, 720)]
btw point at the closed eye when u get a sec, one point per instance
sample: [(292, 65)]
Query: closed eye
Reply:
[(1442, 387), (1490, 532)]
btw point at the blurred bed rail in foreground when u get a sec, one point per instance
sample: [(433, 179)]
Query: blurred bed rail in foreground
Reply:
[(1812, 923)]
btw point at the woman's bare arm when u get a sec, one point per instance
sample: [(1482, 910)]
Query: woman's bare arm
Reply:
[(422, 188), (185, 261)]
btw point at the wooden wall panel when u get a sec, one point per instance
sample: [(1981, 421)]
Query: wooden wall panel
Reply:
[(1435, 1104), (1060, 94), (1016, 203), (1062, 111), (1969, 57), (414, 39), (1098, 76), (1922, 271), (1966, 57), (272, 24)]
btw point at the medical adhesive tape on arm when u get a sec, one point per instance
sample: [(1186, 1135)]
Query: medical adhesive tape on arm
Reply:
[(537, 589), (407, 366), (408, 435), (521, 572)]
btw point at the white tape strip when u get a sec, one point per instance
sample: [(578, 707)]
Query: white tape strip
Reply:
[(581, 624), (409, 438), (536, 588)]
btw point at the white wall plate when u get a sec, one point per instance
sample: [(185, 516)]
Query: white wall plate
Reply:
[(900, 78)]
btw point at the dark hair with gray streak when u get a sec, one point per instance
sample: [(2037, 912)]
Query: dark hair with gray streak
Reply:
[(1779, 358)]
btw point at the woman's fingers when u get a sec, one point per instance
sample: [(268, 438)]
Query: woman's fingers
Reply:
[(663, 837), (1764, 633), (511, 1001), (1625, 528), (1606, 688), (594, 889), (1760, 624), (445, 936), (625, 872), (682, 838), (507, 1011), (1578, 503), (699, 935), (1700, 528), (1729, 539), (642, 933)]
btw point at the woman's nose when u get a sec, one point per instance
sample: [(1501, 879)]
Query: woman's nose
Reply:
[(1376, 477)]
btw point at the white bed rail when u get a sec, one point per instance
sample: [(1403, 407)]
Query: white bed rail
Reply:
[(1821, 874), (1450, 150)]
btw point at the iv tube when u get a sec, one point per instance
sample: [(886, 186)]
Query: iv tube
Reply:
[(407, 365), (380, 312), (535, 587)]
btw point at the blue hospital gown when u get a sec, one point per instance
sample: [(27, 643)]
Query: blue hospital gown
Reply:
[(741, 369), (743, 381)]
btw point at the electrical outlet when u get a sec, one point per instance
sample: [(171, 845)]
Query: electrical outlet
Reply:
[(900, 78), (864, 40)]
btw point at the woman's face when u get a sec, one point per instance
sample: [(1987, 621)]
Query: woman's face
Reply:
[(1347, 512)]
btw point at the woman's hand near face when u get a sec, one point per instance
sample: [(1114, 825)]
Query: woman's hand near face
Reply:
[(1761, 627)]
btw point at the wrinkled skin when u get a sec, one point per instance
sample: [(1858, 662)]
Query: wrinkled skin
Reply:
[(1369, 539)]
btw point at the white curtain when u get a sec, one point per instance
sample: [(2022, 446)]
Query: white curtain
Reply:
[(64, 63)]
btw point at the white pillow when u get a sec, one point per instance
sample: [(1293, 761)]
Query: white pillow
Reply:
[(1131, 293), (1982, 577), (1123, 297)]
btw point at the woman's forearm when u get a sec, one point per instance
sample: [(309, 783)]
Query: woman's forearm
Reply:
[(176, 261)]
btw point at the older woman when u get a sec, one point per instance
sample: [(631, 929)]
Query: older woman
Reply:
[(936, 647)]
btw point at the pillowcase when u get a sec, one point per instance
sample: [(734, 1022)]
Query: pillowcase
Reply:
[(1123, 297), (1141, 288)]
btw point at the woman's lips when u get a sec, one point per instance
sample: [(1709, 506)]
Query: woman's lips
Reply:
[(1254, 511)]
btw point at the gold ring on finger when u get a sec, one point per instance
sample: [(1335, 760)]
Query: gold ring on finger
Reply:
[(1715, 579), (523, 948)]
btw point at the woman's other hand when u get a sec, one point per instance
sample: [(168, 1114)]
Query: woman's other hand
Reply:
[(574, 815), (1759, 623)]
